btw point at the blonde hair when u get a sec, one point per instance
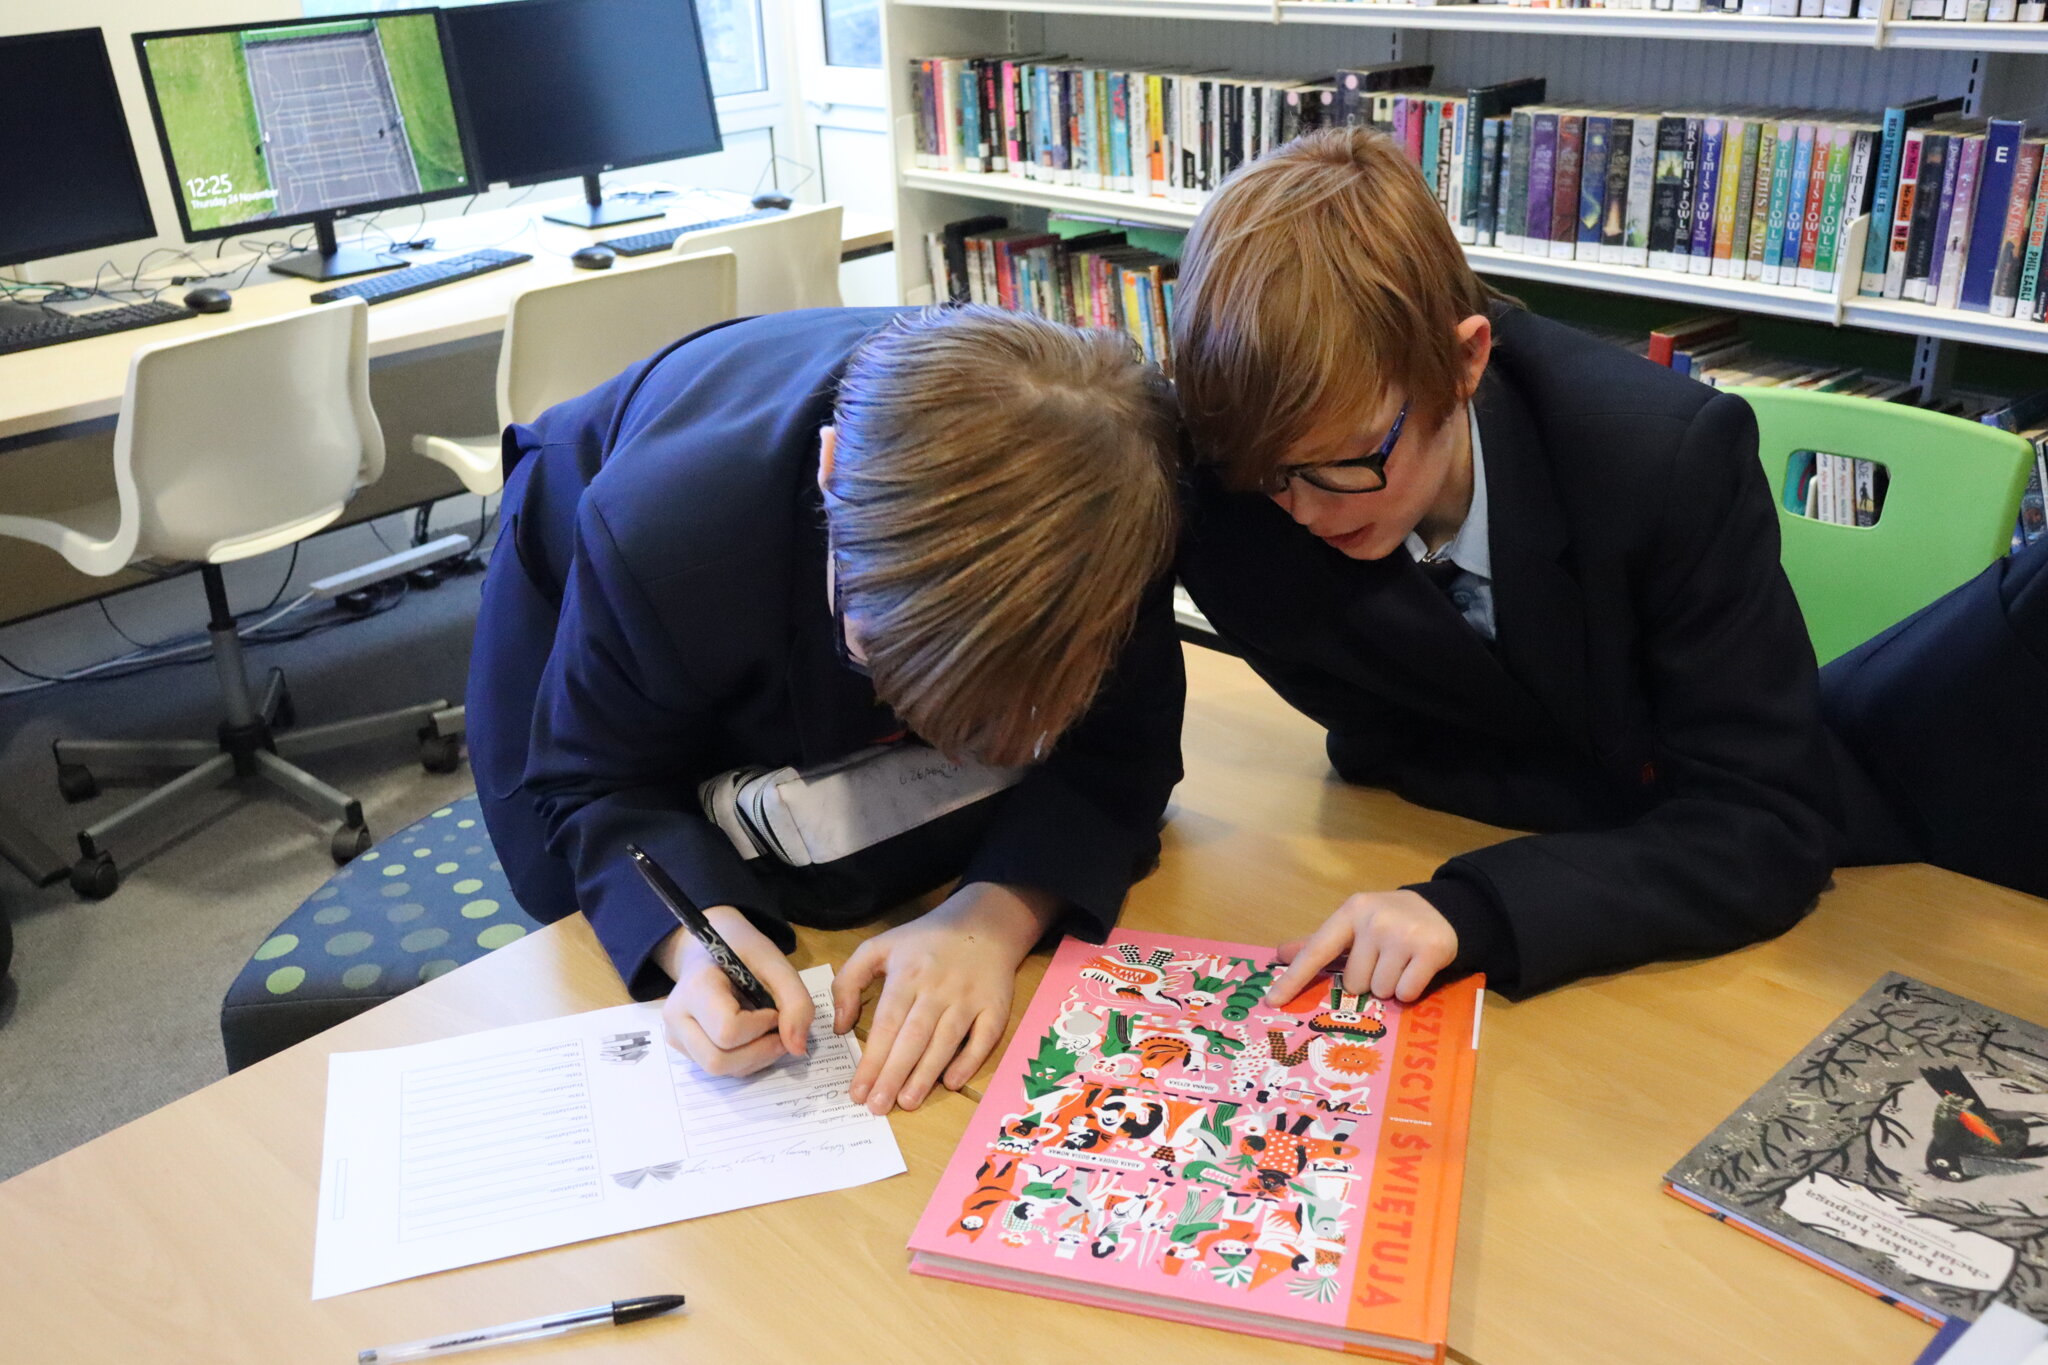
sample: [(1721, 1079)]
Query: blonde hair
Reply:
[(1319, 280), (1000, 498)]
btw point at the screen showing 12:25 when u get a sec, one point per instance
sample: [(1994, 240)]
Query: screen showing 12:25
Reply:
[(289, 120)]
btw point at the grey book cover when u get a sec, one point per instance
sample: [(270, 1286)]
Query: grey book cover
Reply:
[(1906, 1148)]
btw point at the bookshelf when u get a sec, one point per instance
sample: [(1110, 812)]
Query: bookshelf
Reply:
[(1577, 23), (1811, 63)]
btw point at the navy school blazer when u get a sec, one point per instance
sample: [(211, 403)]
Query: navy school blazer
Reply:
[(1650, 703), (673, 518)]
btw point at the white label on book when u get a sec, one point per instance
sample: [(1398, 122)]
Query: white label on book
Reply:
[(1923, 1246)]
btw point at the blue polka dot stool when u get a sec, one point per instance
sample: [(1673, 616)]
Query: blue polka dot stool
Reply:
[(423, 902)]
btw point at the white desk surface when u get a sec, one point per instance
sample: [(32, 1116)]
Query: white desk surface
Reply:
[(81, 381)]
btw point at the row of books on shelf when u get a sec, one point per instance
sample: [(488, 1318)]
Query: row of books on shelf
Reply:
[(1958, 207), (1894, 11), (1089, 279), (1713, 349)]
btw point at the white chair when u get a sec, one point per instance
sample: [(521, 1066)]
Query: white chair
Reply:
[(231, 444), (564, 339), (790, 260)]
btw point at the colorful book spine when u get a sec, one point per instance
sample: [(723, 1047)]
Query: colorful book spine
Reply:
[(1846, 271), (1642, 180), (1726, 197), (1815, 181), (1735, 263), (1486, 224), (1700, 252), (1688, 195), (2012, 235), (1614, 217), (1836, 191), (1934, 163), (1782, 192), (1669, 187), (1513, 230), (1952, 228), (1877, 245), (1760, 200), (1995, 175), (1593, 186), (1903, 209), (1542, 182), (2034, 238), (1564, 206)]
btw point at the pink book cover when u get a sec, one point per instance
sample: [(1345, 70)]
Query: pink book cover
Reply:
[(1161, 1139)]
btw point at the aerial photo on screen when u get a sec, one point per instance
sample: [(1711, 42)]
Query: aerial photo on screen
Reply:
[(280, 122)]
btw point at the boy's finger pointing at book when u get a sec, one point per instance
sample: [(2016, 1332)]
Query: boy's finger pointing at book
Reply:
[(1308, 956)]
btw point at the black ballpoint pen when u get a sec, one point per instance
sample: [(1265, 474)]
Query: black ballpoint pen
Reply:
[(745, 984), (617, 1313)]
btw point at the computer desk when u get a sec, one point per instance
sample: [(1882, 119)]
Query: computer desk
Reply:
[(56, 389), (188, 1234)]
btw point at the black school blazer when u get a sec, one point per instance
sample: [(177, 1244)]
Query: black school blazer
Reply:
[(1650, 704), (671, 521)]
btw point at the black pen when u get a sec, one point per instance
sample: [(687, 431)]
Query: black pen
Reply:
[(617, 1313), (744, 983)]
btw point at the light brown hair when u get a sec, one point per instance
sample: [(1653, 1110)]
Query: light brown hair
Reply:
[(1000, 498), (1320, 279)]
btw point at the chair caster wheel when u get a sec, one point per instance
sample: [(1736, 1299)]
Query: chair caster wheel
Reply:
[(76, 783), (440, 753), (95, 878), (348, 842)]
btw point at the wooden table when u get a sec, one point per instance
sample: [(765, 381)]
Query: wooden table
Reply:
[(55, 388), (187, 1235)]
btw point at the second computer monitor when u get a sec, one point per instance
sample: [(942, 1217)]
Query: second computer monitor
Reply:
[(269, 125), (563, 88), (68, 179)]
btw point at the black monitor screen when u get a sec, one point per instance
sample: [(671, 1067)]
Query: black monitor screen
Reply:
[(558, 88), (271, 124), (68, 179)]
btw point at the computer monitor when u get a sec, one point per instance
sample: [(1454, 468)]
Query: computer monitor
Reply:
[(270, 125), (561, 88), (68, 178)]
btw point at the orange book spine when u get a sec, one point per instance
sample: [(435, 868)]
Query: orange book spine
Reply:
[(1410, 1235)]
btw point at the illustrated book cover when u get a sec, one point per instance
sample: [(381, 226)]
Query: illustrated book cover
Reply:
[(1905, 1150), (1160, 1139)]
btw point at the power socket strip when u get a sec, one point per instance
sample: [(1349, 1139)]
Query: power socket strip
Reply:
[(391, 566)]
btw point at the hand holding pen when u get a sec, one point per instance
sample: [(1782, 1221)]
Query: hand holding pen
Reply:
[(718, 963)]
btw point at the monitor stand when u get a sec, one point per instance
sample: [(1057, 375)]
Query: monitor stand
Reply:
[(329, 260), (597, 212)]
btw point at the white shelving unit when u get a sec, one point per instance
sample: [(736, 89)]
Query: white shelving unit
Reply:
[(1577, 23), (1646, 56)]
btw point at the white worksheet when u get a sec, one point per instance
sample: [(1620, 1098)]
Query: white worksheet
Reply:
[(446, 1154)]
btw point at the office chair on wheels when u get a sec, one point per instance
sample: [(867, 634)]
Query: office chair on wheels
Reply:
[(232, 444)]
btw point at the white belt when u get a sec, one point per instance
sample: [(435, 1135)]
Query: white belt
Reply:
[(820, 816)]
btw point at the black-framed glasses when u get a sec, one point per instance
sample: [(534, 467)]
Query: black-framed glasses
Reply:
[(1366, 474)]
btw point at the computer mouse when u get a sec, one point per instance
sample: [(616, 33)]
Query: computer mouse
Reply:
[(593, 257), (772, 199), (207, 299)]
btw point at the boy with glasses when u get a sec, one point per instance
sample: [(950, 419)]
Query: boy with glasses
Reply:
[(1524, 576)]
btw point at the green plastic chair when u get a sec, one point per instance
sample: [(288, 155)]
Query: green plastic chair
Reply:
[(1955, 492)]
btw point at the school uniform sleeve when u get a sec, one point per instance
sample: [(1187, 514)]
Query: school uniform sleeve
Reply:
[(1084, 824), (620, 739), (1743, 832)]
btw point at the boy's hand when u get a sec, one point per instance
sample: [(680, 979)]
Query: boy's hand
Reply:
[(951, 972), (1394, 943), (704, 1018)]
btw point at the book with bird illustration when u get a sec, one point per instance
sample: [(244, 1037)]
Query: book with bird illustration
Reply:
[(1161, 1138), (1905, 1150)]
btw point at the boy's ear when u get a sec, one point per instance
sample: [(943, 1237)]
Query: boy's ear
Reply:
[(1475, 343), (828, 446)]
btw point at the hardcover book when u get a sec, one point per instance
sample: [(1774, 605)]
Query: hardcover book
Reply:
[(1160, 1139), (1904, 1150)]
